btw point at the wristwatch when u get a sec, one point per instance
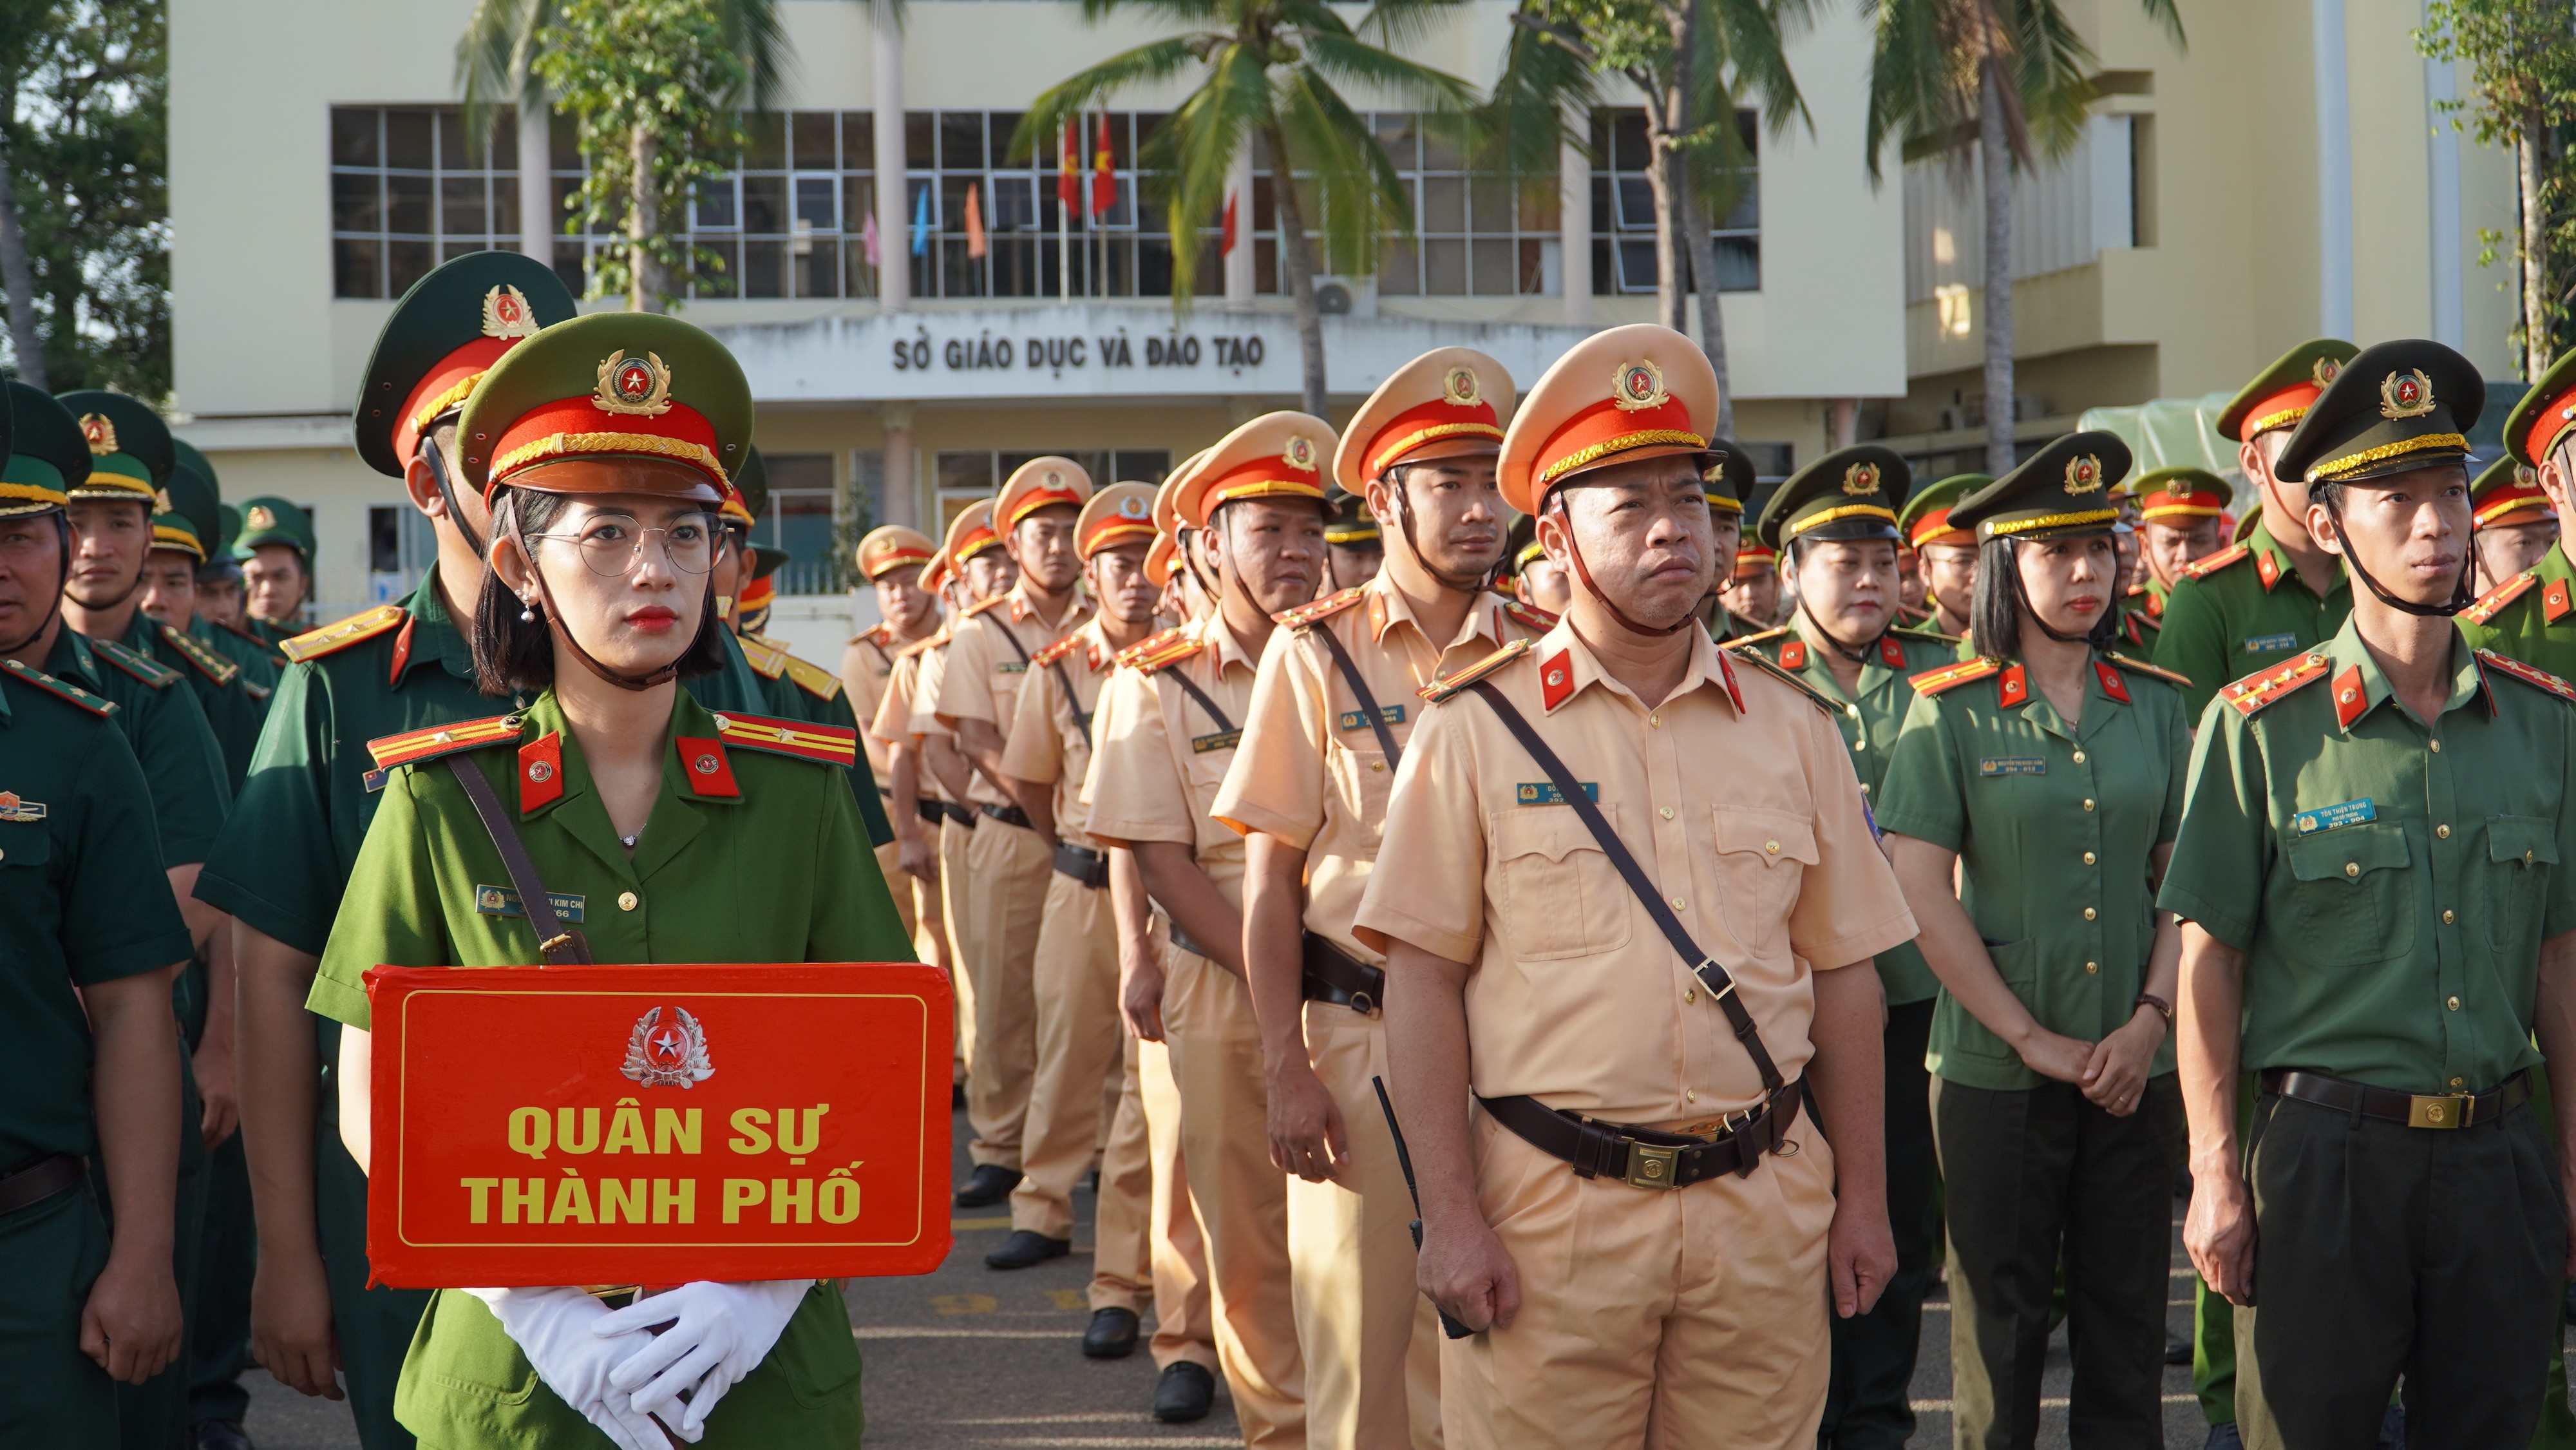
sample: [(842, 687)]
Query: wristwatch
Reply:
[(2163, 1008)]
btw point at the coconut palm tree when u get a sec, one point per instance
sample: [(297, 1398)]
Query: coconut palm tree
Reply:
[(1271, 71), (501, 59), (1691, 61), (2003, 74)]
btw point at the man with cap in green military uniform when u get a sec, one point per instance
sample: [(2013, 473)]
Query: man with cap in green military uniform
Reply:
[(1727, 482), (218, 525), (276, 553), (182, 541), (1948, 555), (219, 583), (94, 940), (1834, 522), (2278, 593), (1353, 550), (2182, 515), (2531, 615), (2514, 524), (2377, 924), (286, 859)]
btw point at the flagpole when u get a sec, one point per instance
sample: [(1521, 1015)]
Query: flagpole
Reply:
[(1064, 221)]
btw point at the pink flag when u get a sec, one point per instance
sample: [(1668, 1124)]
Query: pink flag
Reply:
[(868, 239)]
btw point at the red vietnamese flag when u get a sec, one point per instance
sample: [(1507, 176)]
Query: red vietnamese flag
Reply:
[(1068, 176), (1104, 184)]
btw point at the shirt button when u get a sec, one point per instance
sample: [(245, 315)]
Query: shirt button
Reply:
[(1655, 722), (2092, 966), (2443, 831), (2088, 913), (1690, 1095), (1864, 790), (2088, 858), (626, 901), (2455, 1082), (1667, 813), (2446, 916), (2088, 803), (2352, 868), (2437, 747), (1377, 765), (1680, 905), (2455, 1004), (1771, 847), (2079, 757), (1690, 994)]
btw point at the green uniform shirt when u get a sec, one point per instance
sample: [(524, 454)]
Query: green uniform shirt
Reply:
[(2228, 623), (2389, 884), (235, 713), (182, 766), (2539, 626), (261, 665), (2055, 829), (780, 873), (2142, 618), (82, 891), (788, 700), (1869, 723)]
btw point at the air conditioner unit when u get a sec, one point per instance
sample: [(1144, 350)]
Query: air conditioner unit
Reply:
[(1346, 296)]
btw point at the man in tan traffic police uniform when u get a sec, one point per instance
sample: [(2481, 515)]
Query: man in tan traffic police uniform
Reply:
[(893, 559), (1636, 1220), (1168, 726), (1334, 702)]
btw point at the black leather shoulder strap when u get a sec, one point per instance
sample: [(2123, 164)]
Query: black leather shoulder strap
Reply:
[(1194, 692), (1721, 986), (561, 945), (1323, 629), (1072, 701)]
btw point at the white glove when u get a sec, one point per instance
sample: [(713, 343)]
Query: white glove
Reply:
[(552, 1328), (718, 1333)]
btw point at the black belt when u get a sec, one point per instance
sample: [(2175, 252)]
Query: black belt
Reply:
[(931, 810), (2415, 1110), (1007, 815), (1181, 940), (1333, 977), (957, 814), (39, 1181), (1083, 864), (1644, 1157)]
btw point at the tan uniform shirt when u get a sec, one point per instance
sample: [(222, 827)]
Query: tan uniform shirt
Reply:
[(1737, 798), (982, 675), (1311, 771), (1048, 744), (896, 713), (866, 666), (1157, 759)]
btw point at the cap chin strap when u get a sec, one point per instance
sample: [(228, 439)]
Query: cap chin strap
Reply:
[(1467, 584), (2461, 596), (447, 491), (1859, 656), (563, 632), (1584, 573)]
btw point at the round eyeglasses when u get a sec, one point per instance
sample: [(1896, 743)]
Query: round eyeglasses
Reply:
[(612, 545)]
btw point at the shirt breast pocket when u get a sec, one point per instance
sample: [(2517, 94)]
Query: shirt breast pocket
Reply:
[(1362, 779), (2522, 852), (1760, 864), (2349, 901), (1560, 895)]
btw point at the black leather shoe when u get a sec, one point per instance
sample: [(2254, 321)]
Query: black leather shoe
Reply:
[(1026, 1248), (218, 1435), (991, 1184), (2177, 1351), (1186, 1392), (1112, 1334)]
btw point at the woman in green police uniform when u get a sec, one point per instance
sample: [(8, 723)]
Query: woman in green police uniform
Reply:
[(2053, 772), (601, 446)]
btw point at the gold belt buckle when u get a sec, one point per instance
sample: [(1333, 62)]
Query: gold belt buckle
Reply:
[(1650, 1166), (2447, 1110)]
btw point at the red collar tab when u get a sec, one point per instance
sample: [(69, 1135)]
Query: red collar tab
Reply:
[(2269, 568), (2112, 685), (1793, 654), (2350, 699), (402, 652), (1890, 653), (540, 773), (2014, 688), (1556, 679), (710, 774), (2554, 602), (1726, 673)]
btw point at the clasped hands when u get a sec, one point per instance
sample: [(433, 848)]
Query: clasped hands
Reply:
[(654, 1370)]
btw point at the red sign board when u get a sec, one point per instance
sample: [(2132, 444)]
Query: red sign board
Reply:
[(658, 1124)]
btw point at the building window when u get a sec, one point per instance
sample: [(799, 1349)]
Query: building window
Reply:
[(1623, 209), (793, 221), (1475, 234), (1118, 253), (408, 193), (965, 477), (799, 523)]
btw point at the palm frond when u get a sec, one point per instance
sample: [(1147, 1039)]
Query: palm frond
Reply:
[(492, 58), (1191, 154), (1917, 89), (1171, 12), (2052, 73), (1348, 61), (1363, 199), (1156, 61), (1544, 96), (753, 31), (1398, 24), (1746, 49)]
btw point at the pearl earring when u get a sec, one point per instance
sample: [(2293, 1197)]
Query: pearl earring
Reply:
[(527, 611)]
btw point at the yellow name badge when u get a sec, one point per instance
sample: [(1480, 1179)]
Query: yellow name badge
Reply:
[(2013, 765), (1221, 740)]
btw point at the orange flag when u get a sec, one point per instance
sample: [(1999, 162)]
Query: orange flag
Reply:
[(975, 245)]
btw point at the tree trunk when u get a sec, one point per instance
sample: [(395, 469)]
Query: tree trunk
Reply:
[(643, 224), (1297, 253), (1712, 322), (1664, 178), (2530, 140), (1996, 158), (15, 276)]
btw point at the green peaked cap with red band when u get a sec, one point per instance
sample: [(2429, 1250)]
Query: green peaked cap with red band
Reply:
[(624, 386), (2546, 416)]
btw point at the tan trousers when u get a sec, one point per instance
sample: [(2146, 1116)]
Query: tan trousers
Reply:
[(1003, 901), (953, 841), (1078, 1034), (1371, 1341), (1184, 1310), (1665, 1319), (1242, 1200), (925, 923)]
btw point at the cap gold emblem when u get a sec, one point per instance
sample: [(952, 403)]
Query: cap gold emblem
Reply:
[(100, 433), (1300, 453), (2405, 395), (1638, 386), (640, 386), (1459, 387), (161, 501), (260, 517), (506, 314), (1860, 478), (1131, 507), (2324, 370), (2083, 474)]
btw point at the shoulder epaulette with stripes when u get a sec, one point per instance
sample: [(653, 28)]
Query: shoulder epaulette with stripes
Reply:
[(413, 746), (982, 606), (1815, 697), (1530, 615), (925, 644), (2141, 667), (1934, 681), (136, 663), (1324, 608), (767, 660), (60, 689), (2203, 568), (210, 664), (1170, 647), (1745, 642), (879, 633), (2494, 600), (1448, 685), (2265, 687), (825, 744), (2536, 678), (1057, 650), (1928, 635), (313, 644), (813, 679)]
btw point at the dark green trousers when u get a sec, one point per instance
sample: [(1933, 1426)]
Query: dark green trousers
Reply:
[(2030, 1178), (219, 1340), (51, 1393), (2213, 1319), (1866, 1405), (375, 1326), (2383, 1250)]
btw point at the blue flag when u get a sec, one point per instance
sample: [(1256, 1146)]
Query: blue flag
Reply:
[(921, 223)]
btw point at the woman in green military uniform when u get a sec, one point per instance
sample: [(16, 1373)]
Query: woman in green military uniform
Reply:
[(601, 445), (2052, 771)]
